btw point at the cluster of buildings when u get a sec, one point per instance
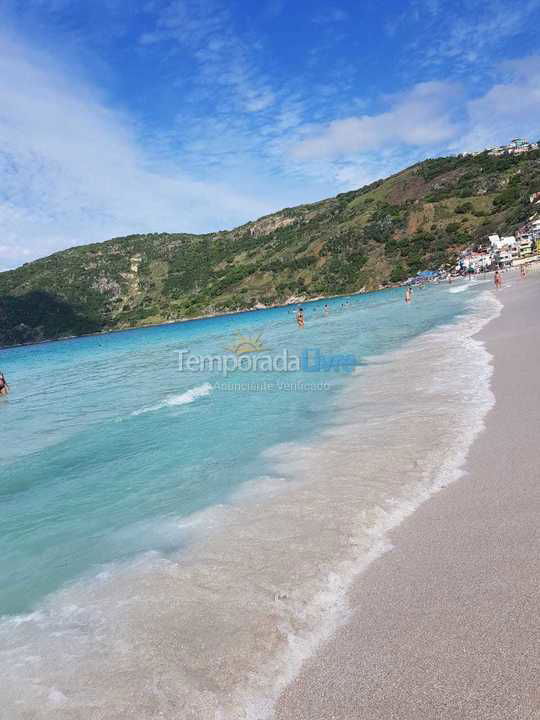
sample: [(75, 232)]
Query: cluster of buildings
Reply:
[(516, 147), (501, 252)]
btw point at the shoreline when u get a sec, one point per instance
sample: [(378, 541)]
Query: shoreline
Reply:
[(439, 626), (209, 316), (226, 313)]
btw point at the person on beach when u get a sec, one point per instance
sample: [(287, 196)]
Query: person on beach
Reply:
[(523, 271), (498, 280), (4, 388), (300, 318)]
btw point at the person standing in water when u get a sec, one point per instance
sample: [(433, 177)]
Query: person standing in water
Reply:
[(498, 280), (326, 310), (4, 388), (408, 295), (300, 318)]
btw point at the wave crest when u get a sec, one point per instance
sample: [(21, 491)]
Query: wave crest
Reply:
[(182, 399)]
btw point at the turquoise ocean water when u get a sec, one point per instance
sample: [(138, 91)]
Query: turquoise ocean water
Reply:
[(174, 543), (104, 437)]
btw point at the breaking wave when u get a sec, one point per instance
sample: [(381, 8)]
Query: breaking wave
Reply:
[(174, 400)]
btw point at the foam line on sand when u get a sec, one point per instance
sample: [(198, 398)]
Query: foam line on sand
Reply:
[(446, 625)]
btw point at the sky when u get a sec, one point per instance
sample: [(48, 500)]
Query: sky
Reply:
[(122, 117)]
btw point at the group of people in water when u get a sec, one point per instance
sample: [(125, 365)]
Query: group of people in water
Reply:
[(301, 319), (300, 316)]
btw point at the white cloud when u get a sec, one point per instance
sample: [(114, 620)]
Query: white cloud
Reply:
[(497, 22), (72, 170), (255, 102), (508, 109), (206, 30), (7, 252), (422, 116), (431, 118), (466, 35), (363, 171)]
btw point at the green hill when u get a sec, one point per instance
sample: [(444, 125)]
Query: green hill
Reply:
[(360, 240)]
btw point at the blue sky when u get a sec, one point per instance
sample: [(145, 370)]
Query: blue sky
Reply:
[(198, 115)]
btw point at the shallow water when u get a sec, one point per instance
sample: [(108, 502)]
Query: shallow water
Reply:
[(184, 546)]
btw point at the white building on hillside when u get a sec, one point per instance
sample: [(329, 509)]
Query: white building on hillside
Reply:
[(504, 258), (505, 249), (498, 243), (516, 147)]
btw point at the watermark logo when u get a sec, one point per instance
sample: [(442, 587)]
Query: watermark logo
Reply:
[(249, 354), (244, 344)]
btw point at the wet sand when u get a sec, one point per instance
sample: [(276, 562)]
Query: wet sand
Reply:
[(447, 624)]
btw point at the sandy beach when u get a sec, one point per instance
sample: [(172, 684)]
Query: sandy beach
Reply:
[(446, 624)]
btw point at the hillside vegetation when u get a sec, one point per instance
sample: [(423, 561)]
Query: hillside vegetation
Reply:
[(360, 240)]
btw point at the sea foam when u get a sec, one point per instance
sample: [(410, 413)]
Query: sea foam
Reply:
[(184, 398)]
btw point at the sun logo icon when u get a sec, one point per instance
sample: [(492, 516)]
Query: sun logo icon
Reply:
[(244, 344)]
